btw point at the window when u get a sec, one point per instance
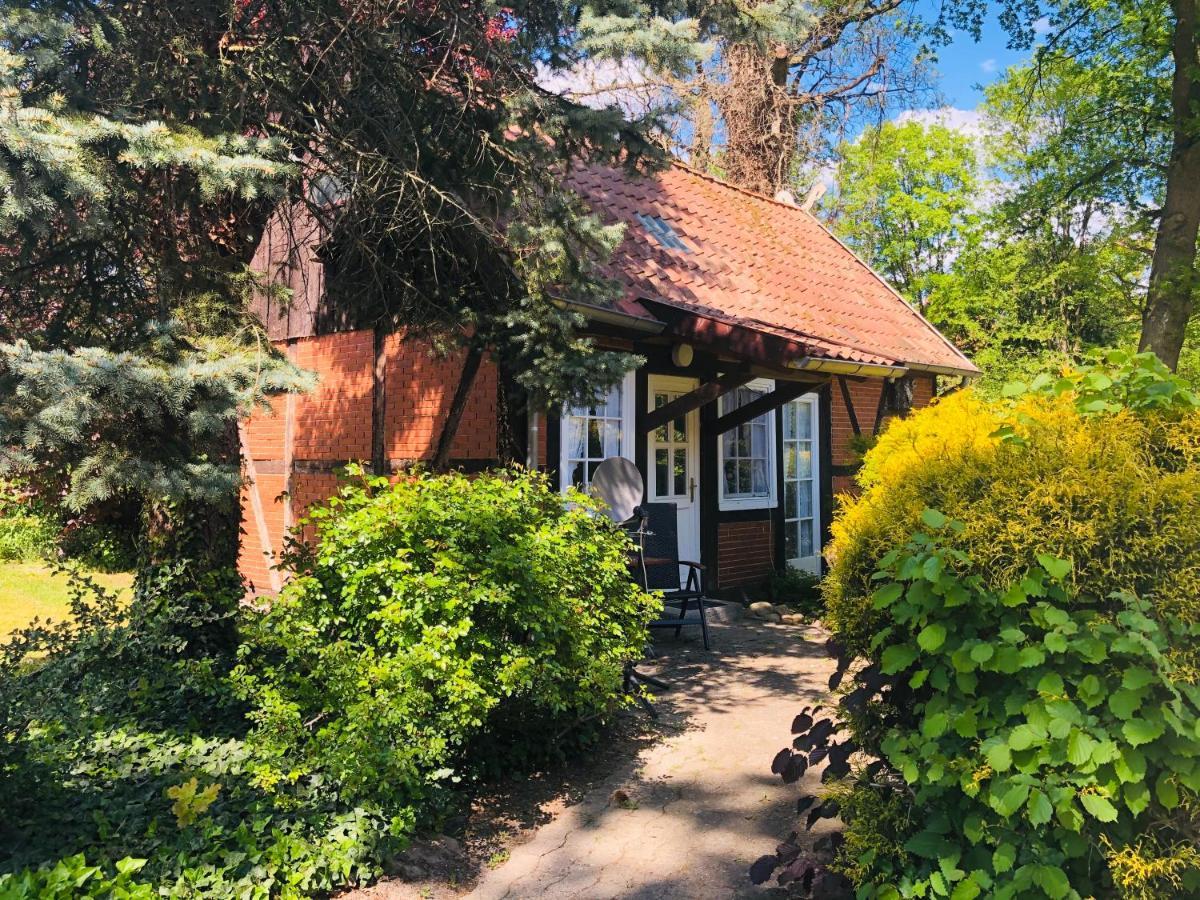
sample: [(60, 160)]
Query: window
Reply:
[(670, 447), (801, 516), (748, 453), (593, 433), (663, 232)]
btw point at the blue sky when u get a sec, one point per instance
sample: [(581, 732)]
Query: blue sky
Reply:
[(966, 65)]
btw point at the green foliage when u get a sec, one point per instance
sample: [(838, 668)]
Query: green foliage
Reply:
[(906, 201), (26, 533), (797, 588), (1116, 380), (438, 626), (116, 425), (439, 629), (116, 732), (73, 878), (1018, 576)]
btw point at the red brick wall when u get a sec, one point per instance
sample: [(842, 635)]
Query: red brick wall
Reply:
[(864, 395), (745, 552), (331, 426)]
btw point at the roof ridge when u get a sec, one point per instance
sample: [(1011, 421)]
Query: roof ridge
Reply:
[(708, 176)]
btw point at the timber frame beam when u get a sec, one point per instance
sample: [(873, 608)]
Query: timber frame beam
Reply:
[(784, 392), (705, 393)]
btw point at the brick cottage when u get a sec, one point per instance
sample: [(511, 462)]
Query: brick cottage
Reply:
[(771, 352)]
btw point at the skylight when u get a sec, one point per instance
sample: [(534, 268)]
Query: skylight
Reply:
[(663, 233)]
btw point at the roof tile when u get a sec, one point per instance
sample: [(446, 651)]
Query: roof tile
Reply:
[(759, 263)]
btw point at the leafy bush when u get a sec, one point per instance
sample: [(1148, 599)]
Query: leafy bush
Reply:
[(120, 737), (1021, 580), (798, 589), (441, 623), (437, 625), (73, 879), (25, 533)]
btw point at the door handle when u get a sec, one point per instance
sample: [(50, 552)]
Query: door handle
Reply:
[(692, 491)]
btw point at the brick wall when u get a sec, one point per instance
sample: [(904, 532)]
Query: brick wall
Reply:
[(332, 425), (864, 396), (745, 552)]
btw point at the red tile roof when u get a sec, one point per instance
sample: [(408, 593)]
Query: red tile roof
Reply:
[(758, 263)]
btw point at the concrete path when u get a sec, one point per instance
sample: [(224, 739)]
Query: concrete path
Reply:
[(687, 817)]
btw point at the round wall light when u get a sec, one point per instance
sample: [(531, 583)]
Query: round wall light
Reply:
[(681, 355)]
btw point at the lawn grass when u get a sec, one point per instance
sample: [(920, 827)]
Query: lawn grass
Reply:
[(34, 590)]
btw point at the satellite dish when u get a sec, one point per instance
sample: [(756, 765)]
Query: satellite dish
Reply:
[(618, 483)]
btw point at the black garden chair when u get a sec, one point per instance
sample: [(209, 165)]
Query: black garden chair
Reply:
[(657, 536)]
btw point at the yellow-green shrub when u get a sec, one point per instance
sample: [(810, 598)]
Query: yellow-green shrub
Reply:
[(1019, 582), (1118, 495)]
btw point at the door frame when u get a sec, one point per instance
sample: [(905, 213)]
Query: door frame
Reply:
[(812, 563), (678, 384)]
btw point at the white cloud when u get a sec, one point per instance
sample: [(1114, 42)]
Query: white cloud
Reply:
[(1042, 25), (605, 83), (988, 65), (968, 121)]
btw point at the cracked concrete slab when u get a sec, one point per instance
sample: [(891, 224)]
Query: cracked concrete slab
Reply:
[(698, 807)]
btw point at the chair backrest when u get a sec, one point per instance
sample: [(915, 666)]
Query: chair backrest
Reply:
[(662, 541)]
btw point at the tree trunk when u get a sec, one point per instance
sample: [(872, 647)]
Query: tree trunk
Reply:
[(1173, 278), (441, 458), (760, 127)]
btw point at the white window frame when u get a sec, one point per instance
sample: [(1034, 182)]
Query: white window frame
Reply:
[(807, 563), (728, 504), (628, 388)]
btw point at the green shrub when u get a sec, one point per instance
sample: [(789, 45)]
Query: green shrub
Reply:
[(26, 534), (799, 589), (438, 625), (73, 879), (120, 737), (1021, 579)]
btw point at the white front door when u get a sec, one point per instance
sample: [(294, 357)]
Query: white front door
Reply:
[(801, 494), (673, 463)]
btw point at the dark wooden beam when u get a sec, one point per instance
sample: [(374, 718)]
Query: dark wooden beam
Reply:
[(705, 393), (784, 391), (378, 403), (841, 380)]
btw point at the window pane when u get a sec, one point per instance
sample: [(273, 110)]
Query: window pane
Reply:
[(613, 406), (595, 441), (577, 475), (789, 460), (789, 421), (680, 472), (743, 476), (804, 461), (789, 501), (743, 441), (758, 475), (803, 413), (592, 466), (730, 477), (680, 435), (576, 433), (791, 539), (758, 439), (729, 440), (806, 537), (662, 485), (804, 498), (612, 437)]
